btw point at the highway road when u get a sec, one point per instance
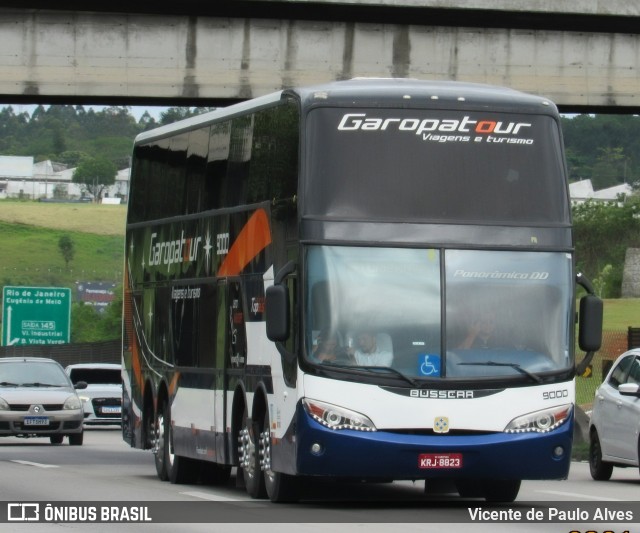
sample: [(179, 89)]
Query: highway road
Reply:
[(105, 472)]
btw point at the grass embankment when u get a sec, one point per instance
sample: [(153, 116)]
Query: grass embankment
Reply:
[(29, 235)]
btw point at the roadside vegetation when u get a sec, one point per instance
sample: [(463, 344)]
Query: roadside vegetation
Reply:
[(61, 245)]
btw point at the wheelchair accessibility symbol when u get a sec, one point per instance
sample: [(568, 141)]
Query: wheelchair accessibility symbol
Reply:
[(429, 365)]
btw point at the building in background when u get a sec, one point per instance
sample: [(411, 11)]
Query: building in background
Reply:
[(581, 191), (20, 177)]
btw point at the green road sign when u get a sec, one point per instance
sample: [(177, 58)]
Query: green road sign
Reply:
[(35, 315)]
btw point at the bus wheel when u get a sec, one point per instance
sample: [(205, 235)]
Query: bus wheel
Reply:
[(179, 469), (248, 459), (502, 490), (160, 438), (279, 487), (600, 470)]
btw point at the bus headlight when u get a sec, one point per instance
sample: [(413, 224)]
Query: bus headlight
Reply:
[(540, 421), (335, 417)]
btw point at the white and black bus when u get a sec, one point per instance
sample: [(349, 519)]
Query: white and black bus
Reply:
[(368, 279)]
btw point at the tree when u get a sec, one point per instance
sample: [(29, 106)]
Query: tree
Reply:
[(72, 158), (95, 174), (609, 169), (85, 323), (67, 249), (603, 231)]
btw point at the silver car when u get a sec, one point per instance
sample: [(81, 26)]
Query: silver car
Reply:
[(102, 398), (615, 420), (37, 399)]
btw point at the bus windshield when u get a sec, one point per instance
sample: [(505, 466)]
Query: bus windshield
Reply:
[(505, 314), (435, 165)]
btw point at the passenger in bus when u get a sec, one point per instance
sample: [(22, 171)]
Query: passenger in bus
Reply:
[(372, 349), (481, 332), (328, 348)]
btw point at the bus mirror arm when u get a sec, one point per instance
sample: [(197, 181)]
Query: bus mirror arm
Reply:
[(582, 280), (288, 356), (286, 270), (589, 325)]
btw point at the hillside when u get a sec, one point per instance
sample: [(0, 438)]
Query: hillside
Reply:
[(29, 235), (89, 218)]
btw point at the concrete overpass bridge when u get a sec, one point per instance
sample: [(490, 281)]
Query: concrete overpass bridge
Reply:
[(583, 54)]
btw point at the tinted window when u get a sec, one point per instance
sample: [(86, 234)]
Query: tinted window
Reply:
[(96, 376), (248, 159), (434, 165), (634, 372), (619, 373)]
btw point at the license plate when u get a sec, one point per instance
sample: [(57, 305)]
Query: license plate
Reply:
[(111, 410), (36, 421), (440, 460)]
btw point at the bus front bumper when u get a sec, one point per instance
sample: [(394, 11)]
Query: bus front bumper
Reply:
[(394, 455)]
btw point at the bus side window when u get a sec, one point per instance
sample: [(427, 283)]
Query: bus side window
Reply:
[(207, 330)]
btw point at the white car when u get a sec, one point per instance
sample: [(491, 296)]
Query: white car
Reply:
[(614, 428), (102, 399)]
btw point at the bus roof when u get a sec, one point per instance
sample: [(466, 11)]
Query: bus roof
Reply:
[(413, 93), (376, 92)]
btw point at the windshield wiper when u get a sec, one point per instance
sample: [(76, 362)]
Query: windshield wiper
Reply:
[(524, 371), (387, 369), (333, 364), (38, 384), (7, 384)]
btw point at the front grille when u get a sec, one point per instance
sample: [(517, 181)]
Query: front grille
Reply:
[(431, 432), (99, 403), (35, 429), (23, 407)]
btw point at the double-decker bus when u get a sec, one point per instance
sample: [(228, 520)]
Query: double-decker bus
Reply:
[(370, 279)]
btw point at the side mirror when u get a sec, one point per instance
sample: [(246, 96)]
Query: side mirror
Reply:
[(590, 323), (277, 311), (80, 385), (629, 389)]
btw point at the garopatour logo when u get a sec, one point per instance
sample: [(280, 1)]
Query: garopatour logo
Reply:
[(182, 250), (432, 129)]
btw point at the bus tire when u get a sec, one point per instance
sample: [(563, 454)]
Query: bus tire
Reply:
[(280, 487), (599, 469), (160, 442), (502, 490), (179, 469), (249, 459)]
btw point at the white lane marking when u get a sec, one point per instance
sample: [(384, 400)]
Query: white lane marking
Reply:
[(579, 495), (213, 497), (31, 463)]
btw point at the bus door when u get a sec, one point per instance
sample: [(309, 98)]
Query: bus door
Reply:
[(232, 345)]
